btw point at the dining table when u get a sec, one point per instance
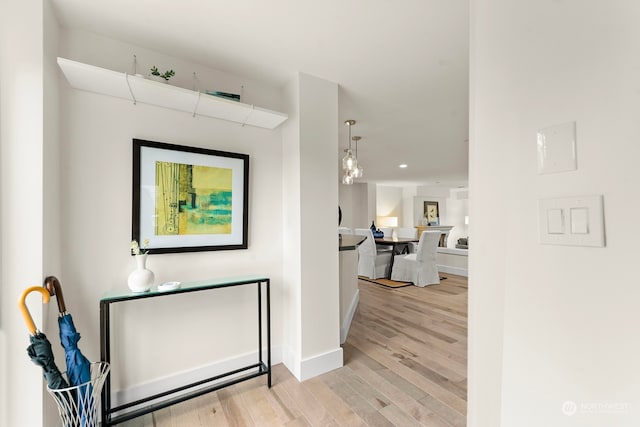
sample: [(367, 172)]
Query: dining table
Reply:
[(399, 245)]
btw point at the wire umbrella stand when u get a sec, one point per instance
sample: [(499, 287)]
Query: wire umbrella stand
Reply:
[(78, 406)]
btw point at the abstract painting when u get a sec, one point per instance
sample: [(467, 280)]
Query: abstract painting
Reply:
[(189, 199)]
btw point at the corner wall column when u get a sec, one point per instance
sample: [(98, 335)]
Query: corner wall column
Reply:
[(22, 207), (311, 338)]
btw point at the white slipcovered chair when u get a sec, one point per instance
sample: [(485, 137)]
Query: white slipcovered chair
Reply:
[(345, 230), (409, 233), (372, 263), (388, 231), (420, 267)]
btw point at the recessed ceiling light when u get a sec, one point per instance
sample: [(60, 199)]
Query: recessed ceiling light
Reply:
[(402, 166)]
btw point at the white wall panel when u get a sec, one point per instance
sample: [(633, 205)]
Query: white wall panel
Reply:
[(552, 324)]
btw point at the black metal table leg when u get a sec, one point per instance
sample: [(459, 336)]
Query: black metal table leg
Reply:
[(259, 284), (105, 355), (269, 332)]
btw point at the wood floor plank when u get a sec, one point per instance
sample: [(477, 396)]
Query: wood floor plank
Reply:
[(446, 356), (232, 409), (282, 410), (285, 401), (445, 412), (435, 377), (358, 403), (311, 409), (405, 399), (210, 411), (298, 422), (410, 375), (185, 414), (398, 356), (398, 417), (259, 407), (337, 407), (143, 421), (372, 395)]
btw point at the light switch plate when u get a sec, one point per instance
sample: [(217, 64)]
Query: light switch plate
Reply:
[(574, 221), (557, 149)]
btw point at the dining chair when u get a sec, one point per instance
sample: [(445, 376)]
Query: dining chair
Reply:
[(409, 233), (372, 262), (420, 267), (345, 230), (388, 231)]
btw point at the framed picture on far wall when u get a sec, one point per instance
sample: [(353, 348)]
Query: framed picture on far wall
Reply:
[(431, 213), (188, 199)]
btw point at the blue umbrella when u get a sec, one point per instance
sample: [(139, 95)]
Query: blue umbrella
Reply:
[(78, 366)]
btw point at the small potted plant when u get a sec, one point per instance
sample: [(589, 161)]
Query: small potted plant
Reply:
[(161, 77)]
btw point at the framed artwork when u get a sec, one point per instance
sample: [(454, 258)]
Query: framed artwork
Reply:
[(188, 199), (431, 213)]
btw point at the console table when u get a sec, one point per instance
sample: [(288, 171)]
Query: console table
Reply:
[(115, 415)]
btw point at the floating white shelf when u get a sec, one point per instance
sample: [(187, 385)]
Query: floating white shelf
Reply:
[(138, 89)]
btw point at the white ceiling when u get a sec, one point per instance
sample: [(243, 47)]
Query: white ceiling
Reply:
[(402, 66)]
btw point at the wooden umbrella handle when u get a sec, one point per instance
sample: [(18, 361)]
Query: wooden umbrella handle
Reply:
[(23, 306), (55, 290)]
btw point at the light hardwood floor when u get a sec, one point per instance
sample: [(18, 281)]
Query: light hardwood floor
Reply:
[(405, 364)]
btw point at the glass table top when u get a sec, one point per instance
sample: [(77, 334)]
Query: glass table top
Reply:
[(125, 293)]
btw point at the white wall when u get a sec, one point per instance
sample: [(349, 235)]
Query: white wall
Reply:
[(551, 324), (52, 222), (408, 193), (457, 208), (345, 201), (96, 209), (354, 201), (349, 292), (389, 203), (372, 203), (433, 194), (22, 208)]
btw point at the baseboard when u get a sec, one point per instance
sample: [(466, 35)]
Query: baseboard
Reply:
[(139, 391), (291, 362), (453, 270), (320, 364), (346, 322)]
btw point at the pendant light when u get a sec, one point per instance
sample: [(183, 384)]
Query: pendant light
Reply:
[(349, 161), (358, 171), (347, 178)]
